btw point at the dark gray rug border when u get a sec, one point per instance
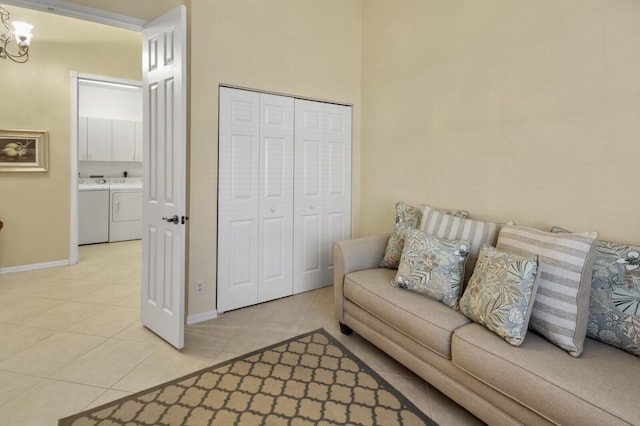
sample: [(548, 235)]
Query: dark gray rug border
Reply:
[(403, 399)]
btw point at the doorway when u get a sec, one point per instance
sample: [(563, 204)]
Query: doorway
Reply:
[(165, 144)]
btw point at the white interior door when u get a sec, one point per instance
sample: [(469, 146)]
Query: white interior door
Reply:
[(276, 197), (310, 262), (164, 189), (322, 210), (337, 196), (238, 198), (255, 198)]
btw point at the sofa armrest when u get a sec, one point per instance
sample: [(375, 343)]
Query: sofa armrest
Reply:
[(354, 255)]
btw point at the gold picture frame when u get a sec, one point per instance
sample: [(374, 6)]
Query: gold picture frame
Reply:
[(24, 151)]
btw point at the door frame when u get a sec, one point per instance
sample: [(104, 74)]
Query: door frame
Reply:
[(75, 110)]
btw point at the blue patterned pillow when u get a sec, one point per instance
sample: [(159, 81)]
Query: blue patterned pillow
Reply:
[(432, 267), (407, 217), (500, 293), (614, 306)]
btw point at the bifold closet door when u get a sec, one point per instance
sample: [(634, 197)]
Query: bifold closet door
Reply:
[(322, 190), (255, 198)]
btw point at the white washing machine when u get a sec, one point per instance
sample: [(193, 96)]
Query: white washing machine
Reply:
[(93, 210), (125, 211)]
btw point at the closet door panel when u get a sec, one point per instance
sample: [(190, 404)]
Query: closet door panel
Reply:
[(238, 199), (338, 190), (310, 260), (276, 197)]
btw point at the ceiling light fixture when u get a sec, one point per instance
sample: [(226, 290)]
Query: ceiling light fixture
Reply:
[(20, 32)]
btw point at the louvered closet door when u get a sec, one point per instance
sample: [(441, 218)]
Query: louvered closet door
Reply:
[(276, 198), (322, 190), (238, 198), (337, 196), (255, 210)]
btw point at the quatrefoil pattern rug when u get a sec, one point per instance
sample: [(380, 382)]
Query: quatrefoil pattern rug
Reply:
[(311, 379)]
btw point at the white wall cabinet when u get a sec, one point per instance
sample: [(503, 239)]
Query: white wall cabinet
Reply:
[(138, 141), (102, 139), (83, 153), (284, 194), (123, 140), (99, 134)]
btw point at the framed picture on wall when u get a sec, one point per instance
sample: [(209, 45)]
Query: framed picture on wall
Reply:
[(24, 151)]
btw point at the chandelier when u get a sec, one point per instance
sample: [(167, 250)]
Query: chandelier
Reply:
[(19, 33)]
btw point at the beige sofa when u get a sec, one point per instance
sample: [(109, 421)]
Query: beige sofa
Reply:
[(534, 384)]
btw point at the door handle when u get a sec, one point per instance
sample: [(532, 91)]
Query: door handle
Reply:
[(175, 219)]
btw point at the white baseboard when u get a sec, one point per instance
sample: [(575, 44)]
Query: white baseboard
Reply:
[(34, 267), (201, 317)]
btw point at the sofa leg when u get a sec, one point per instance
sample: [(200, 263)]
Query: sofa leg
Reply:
[(345, 329)]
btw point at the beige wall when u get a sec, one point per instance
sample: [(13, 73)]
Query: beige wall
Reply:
[(308, 48), (524, 111), (36, 95)]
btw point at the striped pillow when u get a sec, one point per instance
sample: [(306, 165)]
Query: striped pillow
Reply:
[(448, 227), (561, 306)]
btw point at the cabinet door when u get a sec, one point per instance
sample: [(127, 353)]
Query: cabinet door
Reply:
[(138, 141), (98, 139), (276, 198), (238, 198), (82, 138), (123, 140)]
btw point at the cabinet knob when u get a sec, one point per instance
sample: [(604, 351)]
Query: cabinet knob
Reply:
[(312, 206), (273, 209)]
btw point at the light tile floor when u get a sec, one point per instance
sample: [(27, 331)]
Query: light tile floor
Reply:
[(70, 339)]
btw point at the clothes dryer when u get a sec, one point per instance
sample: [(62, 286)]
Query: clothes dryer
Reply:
[(126, 209)]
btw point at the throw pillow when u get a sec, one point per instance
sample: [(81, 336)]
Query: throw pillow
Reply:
[(561, 306), (449, 227), (500, 293), (432, 267), (614, 307), (407, 216)]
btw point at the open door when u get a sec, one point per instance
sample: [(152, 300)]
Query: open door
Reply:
[(164, 194)]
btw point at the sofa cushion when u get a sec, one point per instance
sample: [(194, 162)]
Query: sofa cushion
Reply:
[(425, 320), (614, 308), (600, 387), (432, 267), (450, 227), (561, 306), (500, 293)]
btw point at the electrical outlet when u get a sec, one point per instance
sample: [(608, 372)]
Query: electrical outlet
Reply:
[(199, 287)]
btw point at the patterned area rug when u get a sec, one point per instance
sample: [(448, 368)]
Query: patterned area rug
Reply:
[(311, 379)]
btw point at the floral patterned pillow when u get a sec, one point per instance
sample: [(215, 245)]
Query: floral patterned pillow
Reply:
[(614, 306), (432, 267), (407, 217), (500, 293)]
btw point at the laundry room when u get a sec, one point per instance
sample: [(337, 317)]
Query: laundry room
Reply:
[(110, 160)]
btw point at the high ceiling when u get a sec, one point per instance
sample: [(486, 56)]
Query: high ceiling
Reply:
[(49, 27), (141, 9)]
